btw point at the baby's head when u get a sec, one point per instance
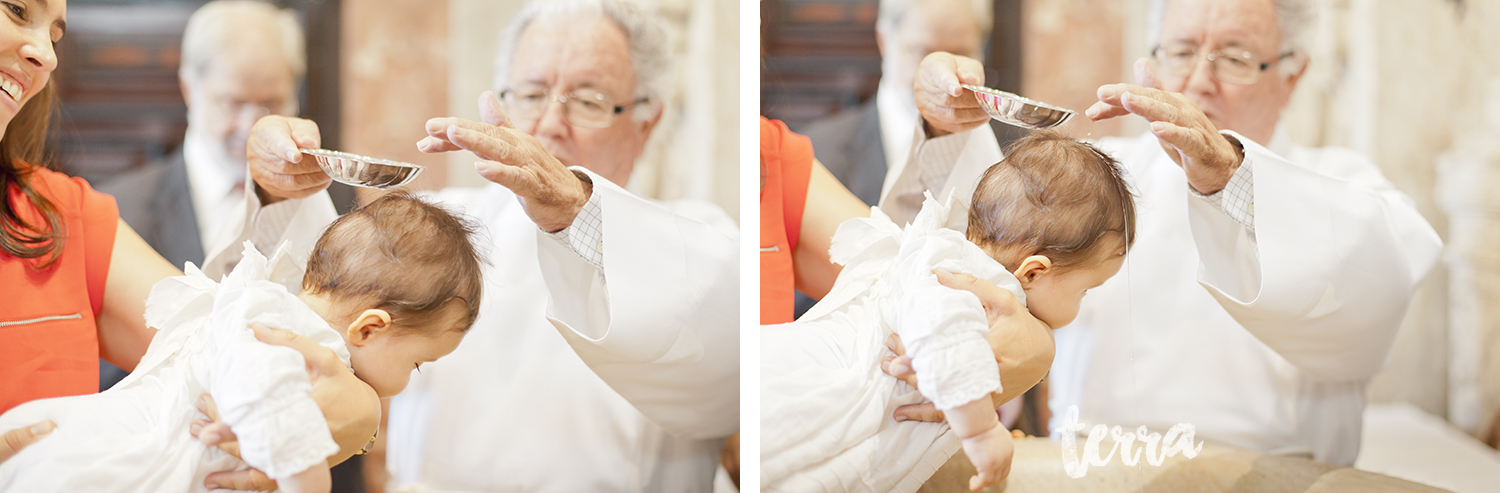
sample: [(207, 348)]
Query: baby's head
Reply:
[(400, 278), (1057, 212)]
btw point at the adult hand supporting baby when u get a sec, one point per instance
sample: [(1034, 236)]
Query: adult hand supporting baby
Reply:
[(279, 168), (1183, 130), (1023, 346), (942, 101), (19, 438), (337, 391), (551, 194)]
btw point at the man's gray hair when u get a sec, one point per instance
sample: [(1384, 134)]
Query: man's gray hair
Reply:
[(214, 26), (892, 11), (1294, 18), (650, 57)]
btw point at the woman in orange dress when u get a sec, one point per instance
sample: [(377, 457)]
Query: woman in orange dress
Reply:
[(801, 205), (73, 277)]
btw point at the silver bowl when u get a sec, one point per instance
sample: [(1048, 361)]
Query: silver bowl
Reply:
[(1018, 111), (362, 171)]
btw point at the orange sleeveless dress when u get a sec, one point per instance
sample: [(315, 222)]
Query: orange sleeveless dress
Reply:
[(786, 166), (49, 344)]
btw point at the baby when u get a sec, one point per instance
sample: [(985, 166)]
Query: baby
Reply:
[(388, 287), (1048, 223)]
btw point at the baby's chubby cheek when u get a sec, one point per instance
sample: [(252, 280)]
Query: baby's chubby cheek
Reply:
[(384, 381), (1055, 311)]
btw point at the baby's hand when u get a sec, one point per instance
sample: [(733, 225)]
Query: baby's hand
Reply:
[(990, 452)]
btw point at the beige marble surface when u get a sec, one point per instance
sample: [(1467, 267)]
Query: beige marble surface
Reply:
[(1038, 467), (395, 71), (1072, 47), (1403, 441)]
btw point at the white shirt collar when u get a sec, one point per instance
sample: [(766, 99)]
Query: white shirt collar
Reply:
[(212, 180), (898, 120), (209, 171)]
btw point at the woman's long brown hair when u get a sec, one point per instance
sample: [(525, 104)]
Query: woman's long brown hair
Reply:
[(25, 142)]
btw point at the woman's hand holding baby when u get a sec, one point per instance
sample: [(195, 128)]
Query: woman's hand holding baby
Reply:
[(216, 434), (1023, 346), (337, 392), (348, 403), (15, 440)]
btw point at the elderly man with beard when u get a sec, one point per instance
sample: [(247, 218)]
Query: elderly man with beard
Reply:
[(863, 145), (241, 60), (606, 353), (1268, 280)]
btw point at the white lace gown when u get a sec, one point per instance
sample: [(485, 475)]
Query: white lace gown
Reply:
[(134, 437), (826, 408)]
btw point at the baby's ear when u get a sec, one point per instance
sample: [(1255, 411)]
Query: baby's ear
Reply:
[(367, 326), (1031, 268)]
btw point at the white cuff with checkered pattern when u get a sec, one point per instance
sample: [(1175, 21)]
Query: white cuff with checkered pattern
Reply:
[(585, 236), (928, 166), (1237, 199)]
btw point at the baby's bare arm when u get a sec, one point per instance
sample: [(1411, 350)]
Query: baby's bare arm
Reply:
[(973, 418), (985, 441)]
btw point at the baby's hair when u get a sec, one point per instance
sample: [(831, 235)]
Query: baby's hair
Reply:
[(403, 255), (1051, 196)]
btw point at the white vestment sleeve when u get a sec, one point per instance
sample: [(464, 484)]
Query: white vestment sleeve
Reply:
[(299, 222), (659, 322), (1237, 199), (947, 165), (1327, 274)]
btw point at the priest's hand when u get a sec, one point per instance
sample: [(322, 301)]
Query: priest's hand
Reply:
[(1183, 130), (551, 194), (277, 164), (947, 107)]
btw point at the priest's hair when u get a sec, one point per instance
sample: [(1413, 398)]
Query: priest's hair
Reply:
[(403, 255), (645, 37), (1296, 19), (1051, 196)]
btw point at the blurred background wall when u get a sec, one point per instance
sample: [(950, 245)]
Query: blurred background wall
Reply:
[(121, 104), (819, 57), (377, 70), (1413, 85)]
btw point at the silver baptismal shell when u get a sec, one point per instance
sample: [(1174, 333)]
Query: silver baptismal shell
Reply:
[(363, 171), (1019, 111)]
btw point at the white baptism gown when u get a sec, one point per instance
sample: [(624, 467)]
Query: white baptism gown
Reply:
[(826, 407), (134, 437)]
